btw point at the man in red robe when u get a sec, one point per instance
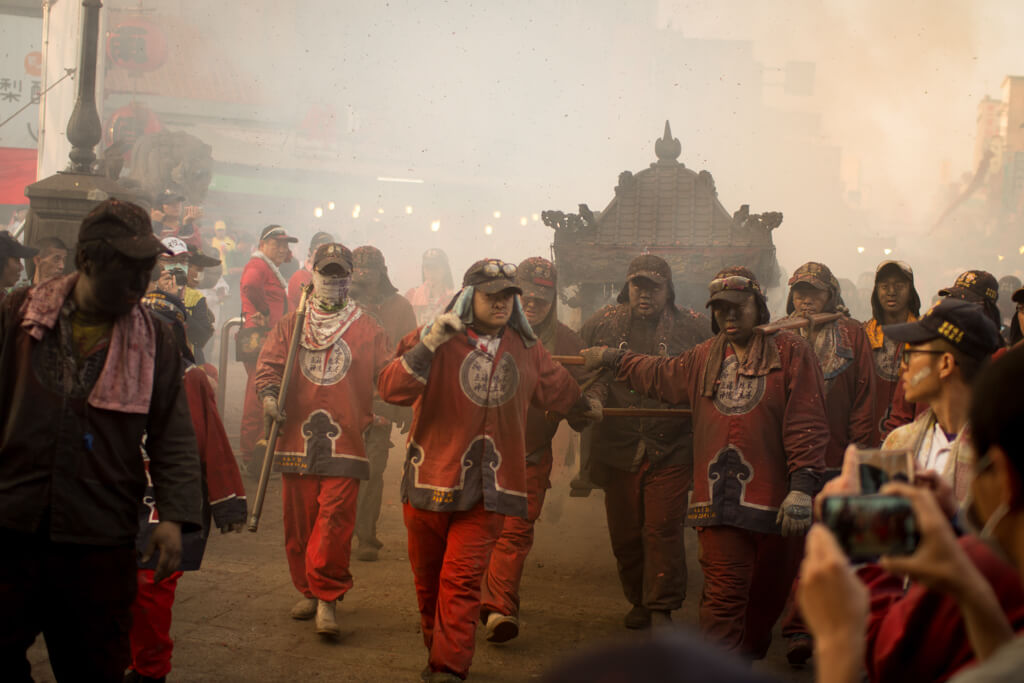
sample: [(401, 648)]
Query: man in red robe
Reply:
[(264, 301), (471, 376), (760, 437), (320, 447)]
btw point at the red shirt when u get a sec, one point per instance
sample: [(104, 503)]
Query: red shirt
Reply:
[(299, 279)]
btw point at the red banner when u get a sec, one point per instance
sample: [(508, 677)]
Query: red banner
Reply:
[(17, 169)]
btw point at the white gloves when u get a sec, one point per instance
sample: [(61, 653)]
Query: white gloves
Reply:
[(795, 514), (444, 327)]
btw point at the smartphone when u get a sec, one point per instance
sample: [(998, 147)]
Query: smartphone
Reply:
[(868, 527)]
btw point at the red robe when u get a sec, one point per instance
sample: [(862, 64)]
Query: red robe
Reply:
[(468, 431), (299, 279), (756, 438), (886, 354), (849, 372), (330, 397)]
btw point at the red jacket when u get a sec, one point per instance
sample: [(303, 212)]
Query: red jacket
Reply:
[(468, 432), (755, 439), (261, 292), (886, 355), (918, 634), (330, 397)]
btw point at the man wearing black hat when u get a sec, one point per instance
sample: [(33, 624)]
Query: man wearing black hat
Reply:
[(975, 286), (373, 291), (760, 436), (11, 253), (942, 353), (167, 220), (85, 372), (201, 322), (894, 300), (537, 278), (645, 465), (471, 377), (264, 301), (320, 449)]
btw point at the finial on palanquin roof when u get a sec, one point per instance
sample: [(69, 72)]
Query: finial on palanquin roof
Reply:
[(667, 148)]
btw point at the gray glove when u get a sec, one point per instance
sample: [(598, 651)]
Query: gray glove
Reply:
[(795, 514), (595, 357), (444, 327), (595, 411), (271, 413)]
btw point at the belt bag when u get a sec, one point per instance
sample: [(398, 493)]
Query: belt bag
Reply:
[(248, 343)]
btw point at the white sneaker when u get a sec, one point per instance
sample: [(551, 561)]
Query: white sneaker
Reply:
[(304, 609), (326, 625), (501, 627)]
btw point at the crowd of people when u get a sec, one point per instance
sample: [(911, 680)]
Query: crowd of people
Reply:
[(115, 463)]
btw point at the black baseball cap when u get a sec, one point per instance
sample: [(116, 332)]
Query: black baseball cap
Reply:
[(491, 275), (276, 232), (201, 260), (13, 248), (335, 253), (124, 226), (961, 323), (978, 286)]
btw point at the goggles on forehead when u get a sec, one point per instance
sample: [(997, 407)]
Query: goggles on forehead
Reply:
[(734, 283), (495, 268)]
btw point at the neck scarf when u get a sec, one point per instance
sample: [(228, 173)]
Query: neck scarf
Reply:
[(125, 384), (762, 358), (273, 268), (323, 327)]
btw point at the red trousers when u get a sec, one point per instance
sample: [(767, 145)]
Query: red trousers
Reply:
[(505, 570), (151, 624), (645, 511), (449, 552), (252, 416), (319, 518), (747, 578)]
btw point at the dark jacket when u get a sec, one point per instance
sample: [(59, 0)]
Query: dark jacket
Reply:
[(74, 471), (623, 444)]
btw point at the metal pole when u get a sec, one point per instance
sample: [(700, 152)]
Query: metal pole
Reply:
[(222, 362), (84, 128)]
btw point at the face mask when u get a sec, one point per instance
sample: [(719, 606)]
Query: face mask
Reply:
[(331, 291)]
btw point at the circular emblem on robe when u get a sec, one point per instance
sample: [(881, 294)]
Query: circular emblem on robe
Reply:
[(737, 394), (484, 388), (326, 367), (887, 361)]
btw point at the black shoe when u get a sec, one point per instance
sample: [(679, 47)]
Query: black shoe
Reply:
[(133, 676), (638, 617), (799, 649)]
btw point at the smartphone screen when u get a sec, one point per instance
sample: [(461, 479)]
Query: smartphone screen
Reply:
[(868, 527)]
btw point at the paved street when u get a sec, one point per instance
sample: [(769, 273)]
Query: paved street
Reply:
[(231, 620)]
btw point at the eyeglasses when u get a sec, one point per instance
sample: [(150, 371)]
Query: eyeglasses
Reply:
[(495, 268), (905, 356), (736, 283)]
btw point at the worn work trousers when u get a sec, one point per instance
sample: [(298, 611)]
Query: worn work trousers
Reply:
[(371, 491), (645, 512), (252, 416), (505, 570), (151, 624), (78, 596), (449, 552), (747, 578), (319, 516)]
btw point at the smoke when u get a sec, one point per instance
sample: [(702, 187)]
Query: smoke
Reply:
[(505, 110)]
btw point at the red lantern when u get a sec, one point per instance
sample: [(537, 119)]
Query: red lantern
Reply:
[(136, 44)]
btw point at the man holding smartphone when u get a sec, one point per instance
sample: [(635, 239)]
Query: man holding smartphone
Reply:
[(942, 354)]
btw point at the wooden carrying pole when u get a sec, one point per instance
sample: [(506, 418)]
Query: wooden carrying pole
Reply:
[(275, 428), (813, 320)]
